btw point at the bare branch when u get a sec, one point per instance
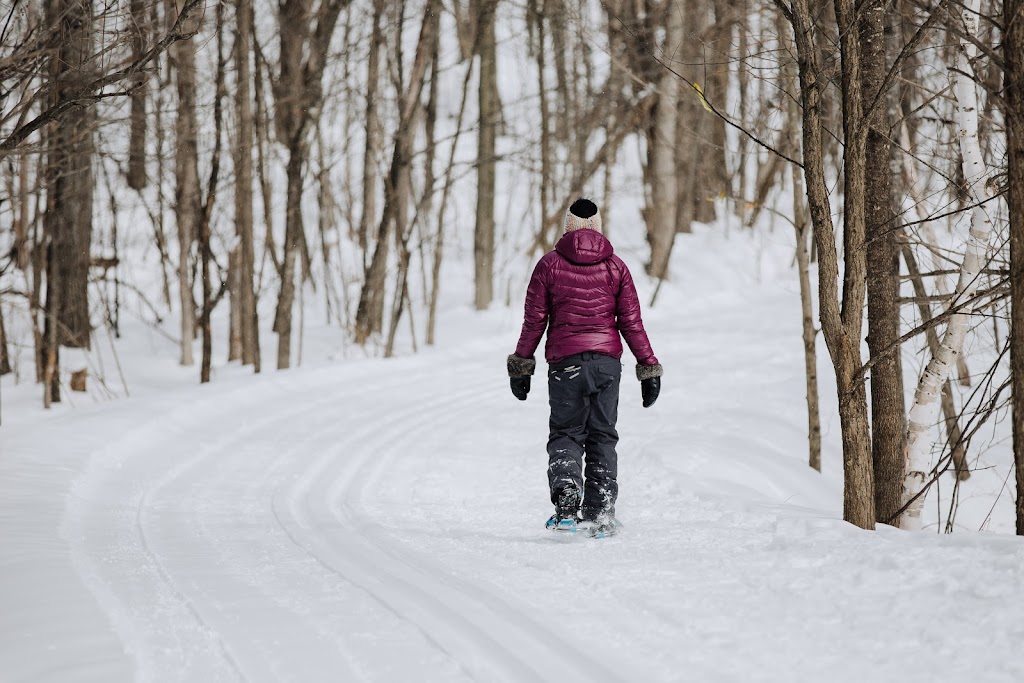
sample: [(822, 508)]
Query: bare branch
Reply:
[(87, 95)]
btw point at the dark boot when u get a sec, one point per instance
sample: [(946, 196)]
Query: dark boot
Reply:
[(567, 506)]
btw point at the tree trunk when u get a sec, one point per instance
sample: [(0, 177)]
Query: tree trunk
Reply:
[(841, 325), (555, 11), (211, 199), (745, 113), (292, 232), (161, 143), (858, 490), (928, 236), (888, 408), (1013, 52), (369, 208), (954, 437), (803, 260), (248, 327), (925, 408), (291, 122), (22, 250), (711, 176), (691, 127), (540, 49), (70, 180), (423, 206), (187, 198), (207, 310), (370, 310), (39, 254), (858, 487), (660, 212), (804, 238), (235, 317), (298, 94), (5, 358), (403, 193), (136, 176), (261, 129), (696, 158), (50, 343), (483, 245)]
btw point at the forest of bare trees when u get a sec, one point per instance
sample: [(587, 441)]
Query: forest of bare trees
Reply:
[(249, 161)]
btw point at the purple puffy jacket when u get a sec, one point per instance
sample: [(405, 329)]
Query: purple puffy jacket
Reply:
[(584, 296)]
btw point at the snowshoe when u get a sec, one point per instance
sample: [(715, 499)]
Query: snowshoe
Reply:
[(554, 523), (603, 526)]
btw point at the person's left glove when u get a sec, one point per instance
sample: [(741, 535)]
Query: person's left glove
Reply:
[(650, 382), (519, 371)]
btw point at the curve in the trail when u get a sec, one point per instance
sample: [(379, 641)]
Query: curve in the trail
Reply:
[(104, 524), (171, 636), (251, 559), (248, 578), (142, 512), (487, 637)]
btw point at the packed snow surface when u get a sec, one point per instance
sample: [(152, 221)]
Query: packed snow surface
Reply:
[(382, 520)]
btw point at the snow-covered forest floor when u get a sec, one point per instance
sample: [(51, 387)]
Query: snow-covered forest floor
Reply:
[(382, 520)]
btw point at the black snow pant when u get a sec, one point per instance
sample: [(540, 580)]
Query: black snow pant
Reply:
[(583, 391)]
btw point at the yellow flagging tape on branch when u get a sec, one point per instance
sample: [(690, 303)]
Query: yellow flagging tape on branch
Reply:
[(700, 94)]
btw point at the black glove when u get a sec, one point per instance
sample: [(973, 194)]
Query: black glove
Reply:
[(650, 382), (519, 371), (649, 389), (520, 386)]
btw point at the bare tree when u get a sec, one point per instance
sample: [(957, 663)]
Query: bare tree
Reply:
[(490, 115), (924, 410), (55, 99), (708, 53), (535, 23), (840, 322), (140, 30), (371, 144), (187, 195), (888, 409), (424, 204), (370, 311), (298, 95), (70, 182), (1013, 54), (205, 248), (5, 358), (248, 319), (660, 211), (804, 238)]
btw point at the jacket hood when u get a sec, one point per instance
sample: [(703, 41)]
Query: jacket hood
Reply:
[(584, 246)]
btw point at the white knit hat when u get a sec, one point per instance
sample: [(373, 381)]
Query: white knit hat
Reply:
[(574, 222)]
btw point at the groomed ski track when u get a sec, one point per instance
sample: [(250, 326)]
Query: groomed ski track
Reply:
[(382, 521), (282, 514)]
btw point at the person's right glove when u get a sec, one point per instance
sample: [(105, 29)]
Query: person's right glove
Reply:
[(650, 382), (519, 371), (520, 387)]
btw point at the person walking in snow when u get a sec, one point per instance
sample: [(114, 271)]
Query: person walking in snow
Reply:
[(583, 295)]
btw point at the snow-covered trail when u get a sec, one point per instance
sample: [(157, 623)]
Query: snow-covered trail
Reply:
[(382, 521), (274, 514)]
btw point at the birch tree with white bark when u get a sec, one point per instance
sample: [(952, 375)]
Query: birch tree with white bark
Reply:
[(924, 411)]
